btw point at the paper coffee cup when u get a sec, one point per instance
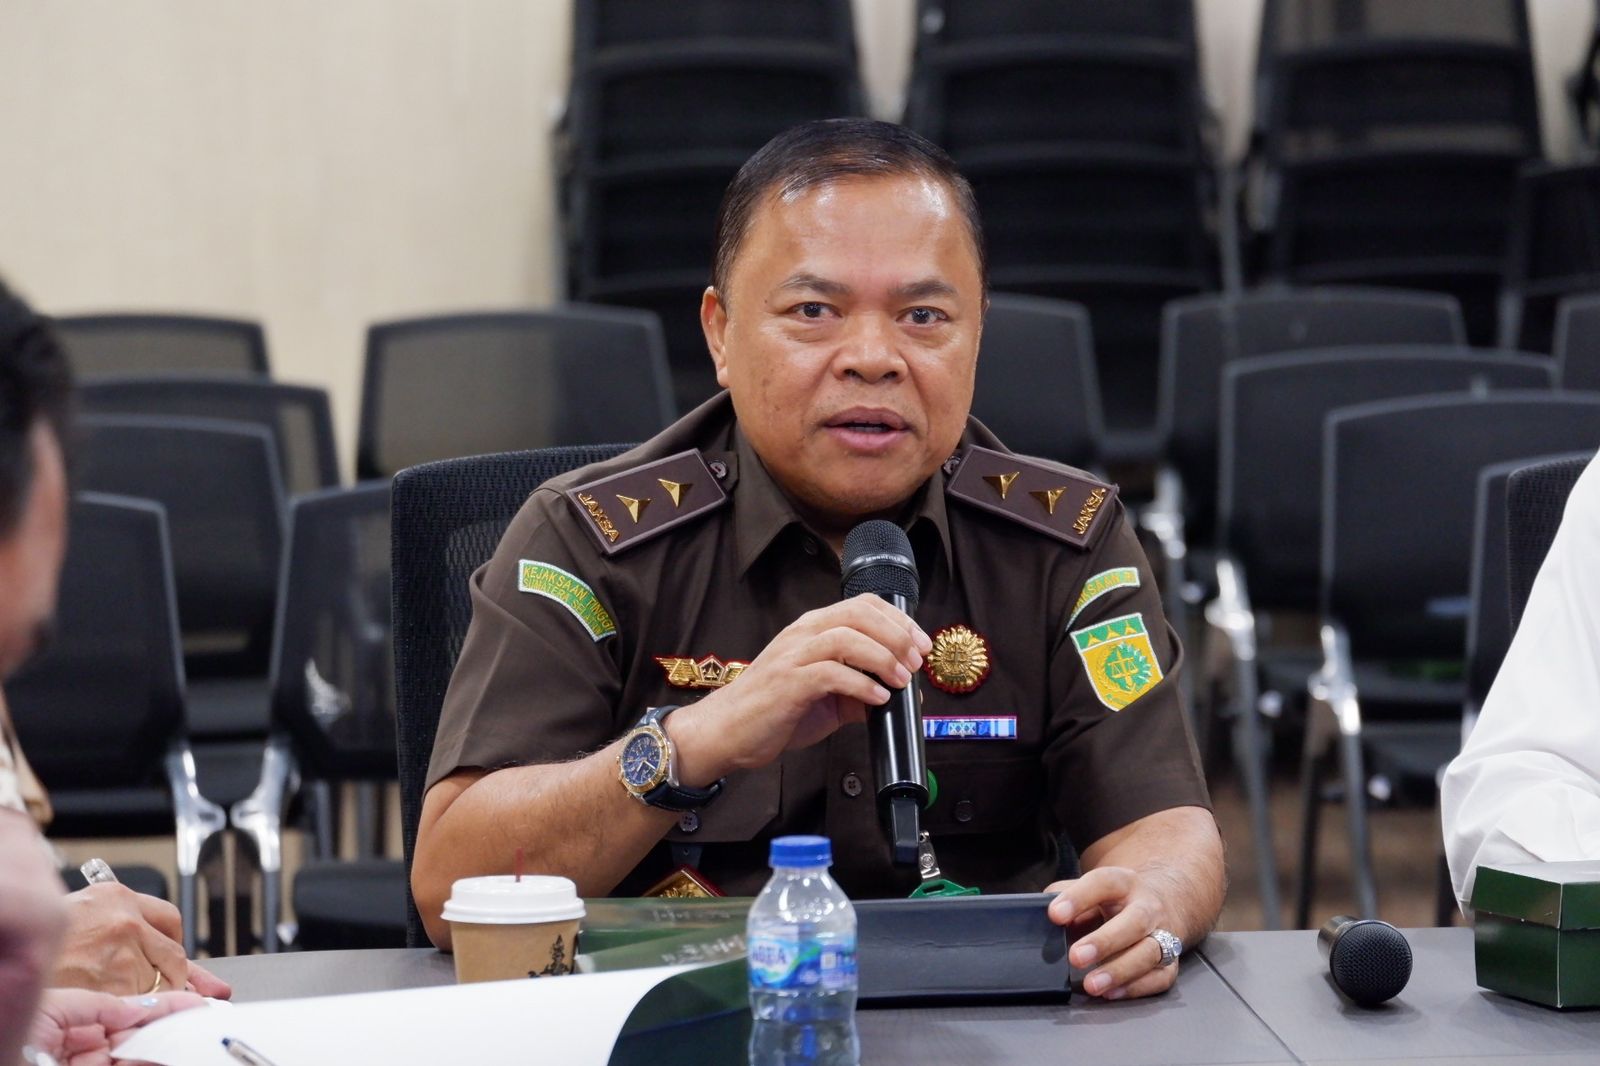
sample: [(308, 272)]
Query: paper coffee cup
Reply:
[(503, 928)]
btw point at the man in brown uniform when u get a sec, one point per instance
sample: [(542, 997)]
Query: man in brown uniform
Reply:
[(701, 572)]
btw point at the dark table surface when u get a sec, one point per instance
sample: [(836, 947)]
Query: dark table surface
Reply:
[(1242, 998)]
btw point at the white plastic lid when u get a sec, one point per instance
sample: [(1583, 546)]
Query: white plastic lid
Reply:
[(503, 900)]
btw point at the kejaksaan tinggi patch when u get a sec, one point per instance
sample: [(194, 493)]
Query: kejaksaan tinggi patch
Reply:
[(1118, 658), (554, 583)]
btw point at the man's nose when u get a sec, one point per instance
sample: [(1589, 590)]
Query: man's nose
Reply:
[(871, 351)]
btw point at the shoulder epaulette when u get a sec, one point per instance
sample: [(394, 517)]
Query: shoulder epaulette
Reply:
[(631, 507), (1058, 503)]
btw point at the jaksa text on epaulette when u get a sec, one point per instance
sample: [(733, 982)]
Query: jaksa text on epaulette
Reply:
[(1069, 507), (631, 507)]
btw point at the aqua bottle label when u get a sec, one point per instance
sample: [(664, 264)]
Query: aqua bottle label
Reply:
[(780, 960)]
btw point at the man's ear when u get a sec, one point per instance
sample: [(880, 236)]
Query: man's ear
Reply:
[(714, 323)]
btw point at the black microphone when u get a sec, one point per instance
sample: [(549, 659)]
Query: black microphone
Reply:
[(878, 559), (1369, 960)]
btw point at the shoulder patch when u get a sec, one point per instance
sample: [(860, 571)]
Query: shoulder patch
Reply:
[(1102, 583), (1118, 658), (1069, 507), (631, 507), (570, 591)]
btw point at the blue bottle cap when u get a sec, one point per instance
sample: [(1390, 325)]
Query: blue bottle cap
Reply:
[(801, 851)]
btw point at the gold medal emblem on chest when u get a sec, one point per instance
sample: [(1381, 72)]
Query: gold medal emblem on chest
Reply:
[(710, 672), (959, 661)]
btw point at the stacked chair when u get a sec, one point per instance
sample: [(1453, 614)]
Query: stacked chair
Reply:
[(666, 102), (142, 344), (1036, 384), (1554, 251), (1536, 498), (1387, 144), (1082, 128)]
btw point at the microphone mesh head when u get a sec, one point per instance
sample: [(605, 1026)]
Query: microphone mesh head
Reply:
[(878, 559), (1371, 962)]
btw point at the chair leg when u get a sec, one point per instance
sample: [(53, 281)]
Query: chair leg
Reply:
[(259, 816), (1249, 758), (324, 819), (1310, 820), (369, 820), (1355, 801), (197, 820)]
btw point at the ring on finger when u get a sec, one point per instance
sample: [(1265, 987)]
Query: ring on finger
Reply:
[(157, 986), (1170, 944)]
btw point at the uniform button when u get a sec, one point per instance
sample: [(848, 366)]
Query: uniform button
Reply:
[(851, 785), (719, 469), (810, 546), (963, 811), (689, 822)]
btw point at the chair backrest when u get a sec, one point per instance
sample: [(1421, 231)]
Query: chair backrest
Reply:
[(448, 518), (950, 22), (598, 25), (298, 416), (1553, 249), (1577, 342), (1400, 481), (99, 708), (1036, 384), (641, 224), (223, 496), (1270, 472), (1536, 497), (1200, 334), (143, 344), (458, 385), (333, 648)]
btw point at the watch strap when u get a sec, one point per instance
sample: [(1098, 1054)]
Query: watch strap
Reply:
[(667, 795)]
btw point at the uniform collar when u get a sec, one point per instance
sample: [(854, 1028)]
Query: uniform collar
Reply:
[(761, 510)]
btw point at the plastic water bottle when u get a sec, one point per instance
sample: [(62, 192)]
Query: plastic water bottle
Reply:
[(802, 947)]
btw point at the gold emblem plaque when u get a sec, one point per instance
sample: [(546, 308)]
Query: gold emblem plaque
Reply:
[(959, 661)]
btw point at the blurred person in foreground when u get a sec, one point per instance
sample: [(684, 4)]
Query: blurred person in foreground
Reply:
[(685, 597), (1526, 786), (100, 939)]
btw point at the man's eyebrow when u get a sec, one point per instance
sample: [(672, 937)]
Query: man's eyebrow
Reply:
[(921, 290), (806, 282)]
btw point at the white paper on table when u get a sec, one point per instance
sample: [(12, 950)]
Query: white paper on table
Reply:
[(571, 1021)]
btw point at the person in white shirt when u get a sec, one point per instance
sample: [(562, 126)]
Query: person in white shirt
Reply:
[(1526, 786)]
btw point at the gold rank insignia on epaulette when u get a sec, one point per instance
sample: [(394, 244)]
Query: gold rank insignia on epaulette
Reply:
[(1069, 507), (631, 507)]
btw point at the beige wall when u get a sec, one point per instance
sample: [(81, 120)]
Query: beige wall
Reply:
[(319, 165)]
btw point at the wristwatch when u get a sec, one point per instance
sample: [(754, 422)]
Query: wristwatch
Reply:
[(646, 768)]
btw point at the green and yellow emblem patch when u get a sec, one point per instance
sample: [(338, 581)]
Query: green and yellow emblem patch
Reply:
[(1119, 660), (1102, 583), (554, 583)]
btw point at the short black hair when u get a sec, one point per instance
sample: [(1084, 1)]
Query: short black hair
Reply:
[(35, 383), (828, 150)]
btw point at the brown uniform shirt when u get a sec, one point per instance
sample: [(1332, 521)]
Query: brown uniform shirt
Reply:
[(568, 665)]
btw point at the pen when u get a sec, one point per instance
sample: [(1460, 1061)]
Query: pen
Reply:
[(242, 1052), (98, 872)]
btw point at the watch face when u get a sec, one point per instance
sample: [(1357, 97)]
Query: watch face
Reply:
[(641, 762)]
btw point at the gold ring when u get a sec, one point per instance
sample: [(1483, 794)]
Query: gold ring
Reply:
[(157, 986)]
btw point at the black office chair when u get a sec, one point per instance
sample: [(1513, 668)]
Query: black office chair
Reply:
[(1270, 512), (674, 297), (455, 385), (144, 344), (332, 722), (100, 713), (1554, 250), (1199, 335), (633, 224), (941, 23), (448, 519), (1536, 498), (1399, 493), (600, 25), (298, 416), (1036, 383), (1577, 343)]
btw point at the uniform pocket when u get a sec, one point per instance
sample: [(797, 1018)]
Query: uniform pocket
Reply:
[(749, 802), (984, 795)]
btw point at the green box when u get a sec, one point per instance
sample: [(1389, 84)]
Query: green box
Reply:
[(1538, 932)]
